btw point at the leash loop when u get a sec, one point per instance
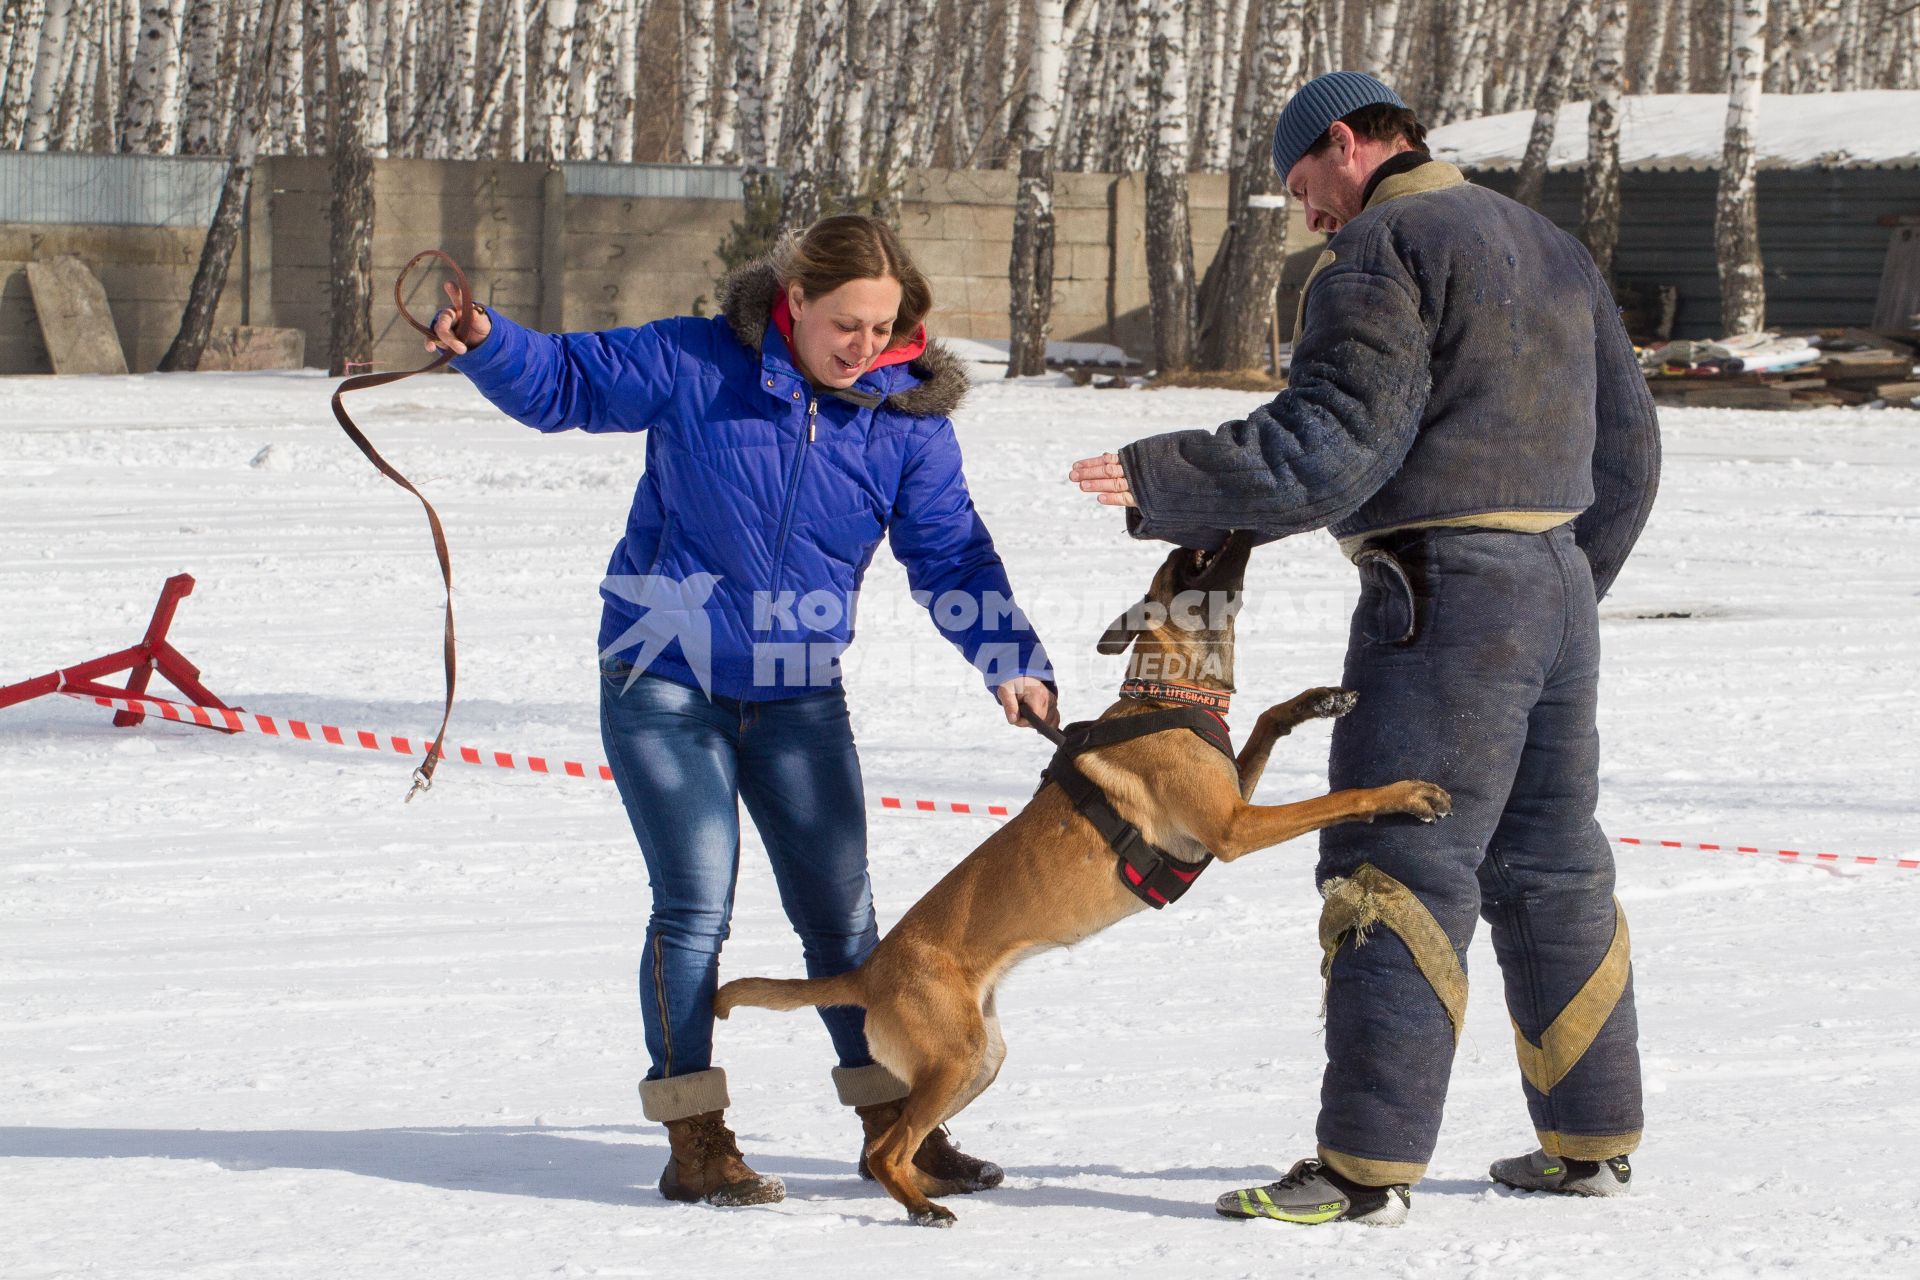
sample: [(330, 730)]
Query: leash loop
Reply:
[(463, 302)]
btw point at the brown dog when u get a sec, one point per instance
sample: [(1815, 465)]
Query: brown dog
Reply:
[(1048, 878)]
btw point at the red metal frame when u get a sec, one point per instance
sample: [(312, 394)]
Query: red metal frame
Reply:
[(154, 655)]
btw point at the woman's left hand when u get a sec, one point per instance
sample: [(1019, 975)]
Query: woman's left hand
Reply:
[(1024, 695)]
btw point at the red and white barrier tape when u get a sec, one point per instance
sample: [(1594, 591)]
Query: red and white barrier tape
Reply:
[(300, 730)]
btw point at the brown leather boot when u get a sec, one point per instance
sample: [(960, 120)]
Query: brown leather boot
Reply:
[(705, 1164), (937, 1157)]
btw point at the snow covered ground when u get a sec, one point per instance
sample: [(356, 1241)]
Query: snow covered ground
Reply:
[(260, 1019)]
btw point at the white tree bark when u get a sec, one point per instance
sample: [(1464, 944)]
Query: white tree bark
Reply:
[(287, 103), (153, 99), (76, 98), (350, 214), (1217, 142), (809, 135), (1569, 48), (1743, 293), (723, 140), (856, 82), (1464, 96), (48, 62), (780, 28), (1383, 26), (1677, 77), (1600, 202), (1030, 270), (583, 79), (696, 78), (1241, 284), (556, 74), (749, 73), (1170, 282), (522, 104), (200, 134)]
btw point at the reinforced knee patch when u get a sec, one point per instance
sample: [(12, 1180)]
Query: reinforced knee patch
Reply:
[(1354, 904), (1573, 1032)]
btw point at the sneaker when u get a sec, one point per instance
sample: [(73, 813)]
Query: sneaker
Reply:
[(1311, 1194), (1542, 1172)]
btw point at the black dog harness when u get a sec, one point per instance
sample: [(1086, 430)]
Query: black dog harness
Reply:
[(1153, 875)]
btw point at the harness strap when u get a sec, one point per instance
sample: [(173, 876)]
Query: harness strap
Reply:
[(423, 775), (1150, 873)]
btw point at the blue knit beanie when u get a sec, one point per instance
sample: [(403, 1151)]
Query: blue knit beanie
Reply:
[(1319, 102)]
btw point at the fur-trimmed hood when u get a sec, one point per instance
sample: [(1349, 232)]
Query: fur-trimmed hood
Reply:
[(746, 300)]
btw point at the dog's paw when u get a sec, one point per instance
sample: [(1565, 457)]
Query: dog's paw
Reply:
[(936, 1215), (1314, 704), (1330, 704), (1422, 800)]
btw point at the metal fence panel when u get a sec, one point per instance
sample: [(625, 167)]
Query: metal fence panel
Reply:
[(64, 187), (670, 181)]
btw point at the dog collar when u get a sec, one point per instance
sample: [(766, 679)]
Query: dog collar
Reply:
[(1218, 701)]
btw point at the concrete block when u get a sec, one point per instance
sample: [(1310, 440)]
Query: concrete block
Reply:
[(240, 348), (1082, 226), (75, 321), (630, 215)]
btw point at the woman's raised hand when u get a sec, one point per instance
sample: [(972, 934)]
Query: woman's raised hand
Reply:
[(448, 335)]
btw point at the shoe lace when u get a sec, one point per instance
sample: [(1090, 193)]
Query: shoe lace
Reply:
[(1302, 1173)]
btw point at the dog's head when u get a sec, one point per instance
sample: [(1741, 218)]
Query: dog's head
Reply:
[(1182, 629)]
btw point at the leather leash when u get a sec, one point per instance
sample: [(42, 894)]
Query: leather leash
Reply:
[(423, 775)]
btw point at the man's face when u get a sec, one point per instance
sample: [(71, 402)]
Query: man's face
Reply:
[(1329, 183)]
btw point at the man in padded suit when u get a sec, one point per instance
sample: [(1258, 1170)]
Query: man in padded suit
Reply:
[(1465, 414)]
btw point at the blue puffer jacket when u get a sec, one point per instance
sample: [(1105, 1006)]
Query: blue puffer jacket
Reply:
[(763, 498)]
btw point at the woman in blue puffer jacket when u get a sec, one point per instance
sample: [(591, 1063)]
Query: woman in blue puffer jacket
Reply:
[(784, 437)]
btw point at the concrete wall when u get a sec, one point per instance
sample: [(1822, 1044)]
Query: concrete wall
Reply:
[(557, 260), (146, 271)]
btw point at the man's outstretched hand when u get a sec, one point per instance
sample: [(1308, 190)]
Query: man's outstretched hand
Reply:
[(1105, 479)]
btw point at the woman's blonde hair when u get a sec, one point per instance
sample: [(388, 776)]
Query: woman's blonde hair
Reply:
[(852, 246)]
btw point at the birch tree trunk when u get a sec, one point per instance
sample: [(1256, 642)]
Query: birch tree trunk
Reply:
[(556, 73), (288, 135), (1170, 284), (466, 80), (517, 17), (1653, 48), (1217, 137), (350, 214), (1743, 293), (1030, 271), (50, 55), (1553, 93), (200, 133), (749, 78), (1384, 27), (696, 78), (1133, 131), (1241, 283), (318, 21), (216, 253), (780, 30), (153, 98), (77, 108), (803, 201), (855, 82), (1600, 200), (1677, 75)]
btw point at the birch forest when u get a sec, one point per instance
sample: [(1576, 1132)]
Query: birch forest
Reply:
[(851, 86), (839, 98)]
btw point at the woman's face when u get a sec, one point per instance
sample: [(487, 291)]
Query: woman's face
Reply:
[(837, 335)]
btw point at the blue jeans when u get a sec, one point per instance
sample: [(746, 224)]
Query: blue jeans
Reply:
[(683, 762)]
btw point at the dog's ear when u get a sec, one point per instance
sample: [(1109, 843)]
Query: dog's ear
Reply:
[(1120, 633)]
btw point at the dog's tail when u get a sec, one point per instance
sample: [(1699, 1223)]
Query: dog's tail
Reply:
[(789, 993)]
